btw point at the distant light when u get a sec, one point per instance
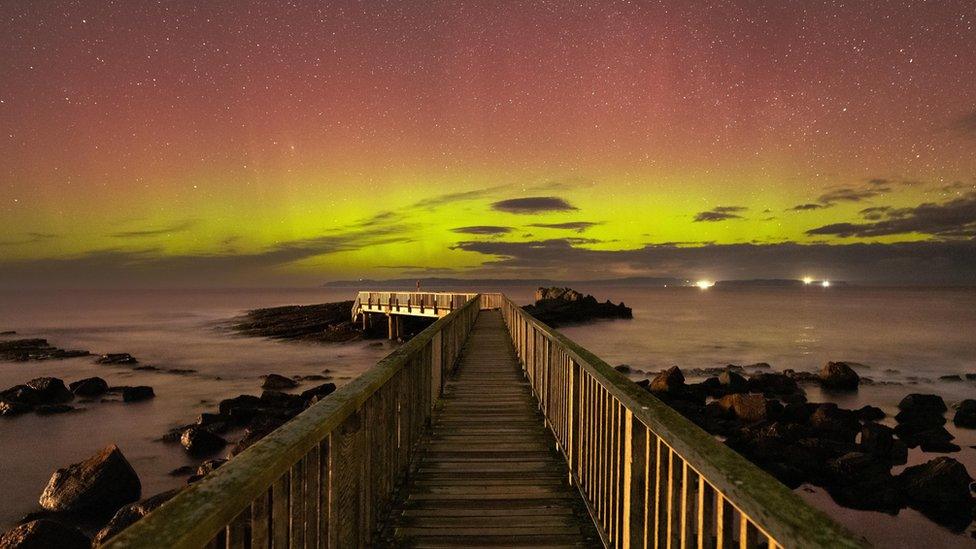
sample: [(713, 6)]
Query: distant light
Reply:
[(825, 283), (807, 280), (704, 284)]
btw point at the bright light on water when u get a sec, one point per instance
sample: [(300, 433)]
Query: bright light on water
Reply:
[(704, 284), (825, 283), (807, 280)]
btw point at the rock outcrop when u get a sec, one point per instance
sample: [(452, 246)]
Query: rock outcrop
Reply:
[(44, 534), (98, 485), (132, 512), (556, 306)]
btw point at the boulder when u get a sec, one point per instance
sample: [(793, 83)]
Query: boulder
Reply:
[(98, 485), (10, 408), (965, 414), (137, 393), (917, 402), (869, 413), (772, 384), (830, 421), (562, 305), (940, 489), (88, 387), (319, 391), (129, 514), (50, 390), (22, 394), (854, 466), (205, 469), (44, 534), (275, 381), (200, 442), (879, 441), (733, 382), (932, 438), (241, 408), (668, 381), (751, 407), (839, 376), (116, 358)]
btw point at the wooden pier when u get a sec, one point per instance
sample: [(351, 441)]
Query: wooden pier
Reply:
[(487, 429)]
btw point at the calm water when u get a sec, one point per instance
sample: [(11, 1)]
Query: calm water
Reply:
[(907, 335)]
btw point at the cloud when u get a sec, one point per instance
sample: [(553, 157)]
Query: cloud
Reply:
[(578, 226), (720, 213), (533, 204), (450, 198), (875, 212), (29, 238), (159, 231), (483, 229), (953, 219), (949, 262), (808, 207), (854, 194)]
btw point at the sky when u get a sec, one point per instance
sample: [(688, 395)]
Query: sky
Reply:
[(259, 143)]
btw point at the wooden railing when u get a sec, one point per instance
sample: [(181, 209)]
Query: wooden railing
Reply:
[(650, 477), (417, 303), (324, 478)]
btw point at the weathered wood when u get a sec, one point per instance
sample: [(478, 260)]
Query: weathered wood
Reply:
[(490, 473)]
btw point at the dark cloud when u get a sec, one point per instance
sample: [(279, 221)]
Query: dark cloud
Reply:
[(159, 231), (942, 262), (450, 198), (29, 238), (953, 219), (154, 266), (808, 207), (533, 204), (483, 229), (578, 226), (853, 194), (879, 181), (875, 212), (720, 213)]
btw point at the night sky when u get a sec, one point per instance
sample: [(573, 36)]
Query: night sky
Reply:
[(262, 143)]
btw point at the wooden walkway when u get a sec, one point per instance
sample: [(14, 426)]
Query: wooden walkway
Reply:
[(489, 474)]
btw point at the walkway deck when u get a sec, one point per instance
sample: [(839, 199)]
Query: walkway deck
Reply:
[(490, 474)]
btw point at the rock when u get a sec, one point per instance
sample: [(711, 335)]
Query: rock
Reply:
[(772, 384), (275, 381), (871, 490), (554, 306), (51, 390), (182, 471), (8, 333), (953, 377), (200, 442), (319, 391), (833, 422), (751, 407), (129, 514), (733, 382), (839, 376), (879, 441), (117, 358), (301, 322), (44, 534), (98, 485), (920, 402), (935, 438), (940, 489), (802, 377), (137, 393), (971, 376), (622, 368), (205, 469), (21, 350), (853, 466), (10, 408), (90, 386), (668, 381), (965, 414), (240, 408), (22, 394), (869, 413)]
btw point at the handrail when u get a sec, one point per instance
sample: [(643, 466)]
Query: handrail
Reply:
[(651, 477), (325, 476)]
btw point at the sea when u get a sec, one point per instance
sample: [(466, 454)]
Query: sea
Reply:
[(905, 340)]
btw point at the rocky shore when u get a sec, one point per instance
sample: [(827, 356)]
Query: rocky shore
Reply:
[(765, 416), (557, 306)]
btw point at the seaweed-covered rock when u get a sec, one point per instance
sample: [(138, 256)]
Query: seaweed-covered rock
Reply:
[(668, 381), (98, 485), (44, 534), (751, 407)]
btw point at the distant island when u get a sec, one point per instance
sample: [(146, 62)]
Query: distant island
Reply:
[(638, 281)]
